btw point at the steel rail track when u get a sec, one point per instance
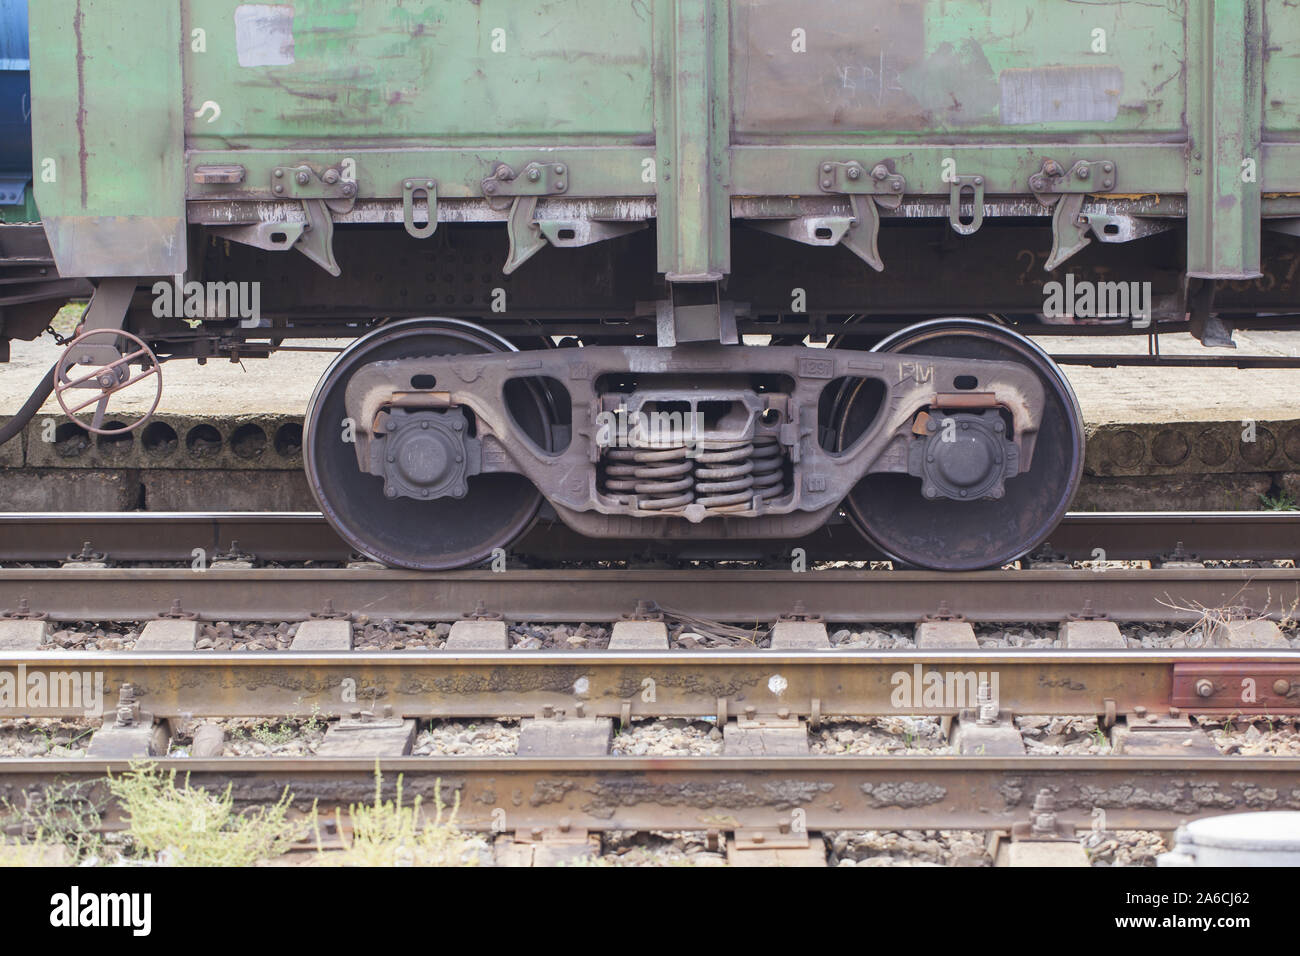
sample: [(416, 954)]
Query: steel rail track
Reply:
[(729, 793), (813, 684), (595, 596), (305, 536), (733, 793)]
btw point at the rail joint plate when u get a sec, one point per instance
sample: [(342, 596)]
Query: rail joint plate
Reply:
[(1272, 688)]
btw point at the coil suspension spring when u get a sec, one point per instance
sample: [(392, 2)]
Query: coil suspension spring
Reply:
[(721, 476)]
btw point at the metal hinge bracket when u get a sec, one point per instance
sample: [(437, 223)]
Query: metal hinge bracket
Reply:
[(571, 233), (522, 190), (1086, 176), (1066, 190), (881, 186), (269, 235), (535, 179), (303, 182), (321, 194)]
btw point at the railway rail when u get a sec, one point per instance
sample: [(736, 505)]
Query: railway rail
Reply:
[(291, 594), (723, 684), (780, 799), (766, 788), (306, 536), (745, 795)]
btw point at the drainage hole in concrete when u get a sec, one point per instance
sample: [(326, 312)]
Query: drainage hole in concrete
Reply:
[(203, 441)]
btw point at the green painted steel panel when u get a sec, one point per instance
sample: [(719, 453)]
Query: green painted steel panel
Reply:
[(691, 120), (418, 73), (687, 101), (1282, 69), (927, 68), (108, 142), (1224, 139), (606, 171)]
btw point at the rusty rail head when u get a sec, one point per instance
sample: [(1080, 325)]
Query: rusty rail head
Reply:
[(305, 536), (610, 683), (739, 596), (726, 793)]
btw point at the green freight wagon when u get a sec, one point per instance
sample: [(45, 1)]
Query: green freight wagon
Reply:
[(680, 269)]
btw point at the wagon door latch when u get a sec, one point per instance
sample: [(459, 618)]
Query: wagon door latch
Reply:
[(1054, 185), (520, 191), (867, 191), (322, 194)]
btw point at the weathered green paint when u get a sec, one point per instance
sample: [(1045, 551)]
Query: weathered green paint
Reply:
[(1223, 110), (716, 94), (1141, 167), (1281, 95), (609, 171), (106, 109), (691, 120), (419, 73), (908, 69)]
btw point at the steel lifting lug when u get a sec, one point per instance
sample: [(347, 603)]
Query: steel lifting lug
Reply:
[(975, 183), (411, 189)]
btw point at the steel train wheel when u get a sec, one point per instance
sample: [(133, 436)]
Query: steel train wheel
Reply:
[(403, 532), (947, 535)]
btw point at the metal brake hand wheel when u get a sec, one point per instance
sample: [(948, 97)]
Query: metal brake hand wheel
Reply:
[(105, 370)]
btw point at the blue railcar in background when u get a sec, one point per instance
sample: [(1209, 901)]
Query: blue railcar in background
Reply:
[(31, 290), (15, 111)]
